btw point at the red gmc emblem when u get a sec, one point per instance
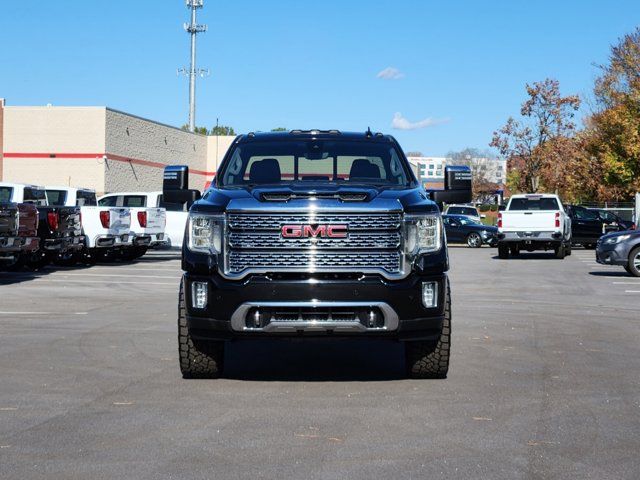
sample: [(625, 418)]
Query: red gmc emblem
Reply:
[(314, 231)]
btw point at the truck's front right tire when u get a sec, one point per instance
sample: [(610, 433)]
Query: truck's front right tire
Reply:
[(423, 360), (198, 358)]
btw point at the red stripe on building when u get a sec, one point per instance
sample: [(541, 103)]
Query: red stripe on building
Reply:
[(110, 156)]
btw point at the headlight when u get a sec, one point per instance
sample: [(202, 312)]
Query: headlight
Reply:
[(423, 234), (205, 233), (616, 239)]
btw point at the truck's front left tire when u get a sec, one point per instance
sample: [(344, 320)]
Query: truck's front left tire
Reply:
[(198, 358), (423, 360)]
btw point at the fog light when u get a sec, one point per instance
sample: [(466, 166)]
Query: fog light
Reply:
[(430, 294), (199, 294)]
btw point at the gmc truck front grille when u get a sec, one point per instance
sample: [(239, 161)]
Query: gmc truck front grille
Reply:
[(369, 243)]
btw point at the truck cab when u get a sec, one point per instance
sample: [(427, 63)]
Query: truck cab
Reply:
[(315, 234)]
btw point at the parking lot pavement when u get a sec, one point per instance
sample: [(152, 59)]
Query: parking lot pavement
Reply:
[(543, 383)]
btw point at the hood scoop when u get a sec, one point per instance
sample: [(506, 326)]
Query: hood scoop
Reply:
[(342, 196)]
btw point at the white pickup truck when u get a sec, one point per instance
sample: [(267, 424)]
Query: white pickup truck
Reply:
[(106, 229), (534, 222), (176, 214), (147, 221)]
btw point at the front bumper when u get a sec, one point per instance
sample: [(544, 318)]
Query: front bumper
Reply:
[(64, 244), (612, 254), (400, 301)]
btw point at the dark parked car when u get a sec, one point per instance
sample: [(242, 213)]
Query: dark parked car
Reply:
[(620, 248), (586, 226), (613, 222), (460, 228)]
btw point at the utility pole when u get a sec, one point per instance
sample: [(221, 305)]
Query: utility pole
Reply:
[(193, 29)]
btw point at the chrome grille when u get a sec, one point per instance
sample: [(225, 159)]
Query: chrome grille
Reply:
[(358, 240), (385, 221), (240, 260), (254, 243)]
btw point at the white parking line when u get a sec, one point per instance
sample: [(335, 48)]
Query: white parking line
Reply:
[(626, 283), (632, 291), (115, 282), (44, 313), (60, 274)]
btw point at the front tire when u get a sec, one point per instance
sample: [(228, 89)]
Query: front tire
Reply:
[(633, 264), (474, 240), (423, 360), (198, 358)]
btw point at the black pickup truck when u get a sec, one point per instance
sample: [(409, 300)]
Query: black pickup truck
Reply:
[(59, 228), (18, 231), (316, 233)]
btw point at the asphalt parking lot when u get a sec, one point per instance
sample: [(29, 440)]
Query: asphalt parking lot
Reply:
[(544, 383)]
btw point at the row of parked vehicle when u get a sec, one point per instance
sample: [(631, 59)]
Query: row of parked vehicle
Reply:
[(64, 225)]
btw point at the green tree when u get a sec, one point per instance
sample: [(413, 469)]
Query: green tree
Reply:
[(222, 130), (614, 130), (200, 130), (279, 129)]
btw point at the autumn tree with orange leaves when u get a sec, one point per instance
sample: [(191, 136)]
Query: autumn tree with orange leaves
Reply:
[(532, 144)]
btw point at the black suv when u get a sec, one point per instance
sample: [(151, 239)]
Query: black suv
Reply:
[(315, 233)]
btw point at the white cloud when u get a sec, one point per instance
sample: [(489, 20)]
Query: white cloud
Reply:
[(401, 123), (390, 73)]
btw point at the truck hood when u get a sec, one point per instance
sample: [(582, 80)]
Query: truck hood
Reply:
[(317, 198)]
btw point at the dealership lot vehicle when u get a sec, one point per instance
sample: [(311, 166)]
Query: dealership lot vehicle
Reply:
[(460, 228), (106, 229), (295, 223), (59, 228), (18, 231), (613, 222), (621, 248), (81, 376), (175, 214), (466, 210), (534, 222), (147, 223)]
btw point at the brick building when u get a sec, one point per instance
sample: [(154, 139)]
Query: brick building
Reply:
[(100, 148)]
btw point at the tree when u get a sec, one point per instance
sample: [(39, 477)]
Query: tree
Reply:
[(222, 130), (614, 130), (279, 129), (414, 154), (481, 170), (200, 130), (546, 117)]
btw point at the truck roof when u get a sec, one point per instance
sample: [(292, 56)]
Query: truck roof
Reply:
[(367, 136), (535, 195), (69, 189), (20, 185), (156, 192)]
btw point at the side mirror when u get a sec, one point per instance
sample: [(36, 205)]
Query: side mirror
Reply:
[(457, 186)]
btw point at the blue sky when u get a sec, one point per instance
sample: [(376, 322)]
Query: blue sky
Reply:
[(299, 64)]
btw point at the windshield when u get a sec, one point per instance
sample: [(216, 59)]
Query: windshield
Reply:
[(462, 211), (318, 161), (5, 194), (56, 198), (534, 203)]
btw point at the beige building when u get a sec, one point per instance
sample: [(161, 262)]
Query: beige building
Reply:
[(100, 148)]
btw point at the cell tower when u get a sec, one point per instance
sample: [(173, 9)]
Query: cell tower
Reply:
[(193, 29)]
